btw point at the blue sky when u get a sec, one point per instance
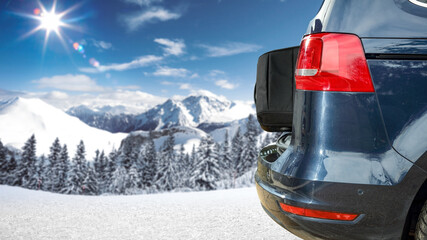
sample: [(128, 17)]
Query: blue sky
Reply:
[(161, 47)]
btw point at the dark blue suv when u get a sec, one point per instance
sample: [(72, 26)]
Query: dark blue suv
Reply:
[(353, 164)]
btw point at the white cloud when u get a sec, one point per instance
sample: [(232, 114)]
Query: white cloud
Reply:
[(214, 73), (171, 47), (167, 83), (143, 2), (228, 49), (69, 82), (89, 70), (194, 75), (129, 87), (225, 84), (133, 100), (150, 15), (57, 95), (181, 85), (102, 44), (171, 72), (137, 63), (185, 86), (99, 44)]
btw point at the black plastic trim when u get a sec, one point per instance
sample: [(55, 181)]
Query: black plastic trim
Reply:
[(396, 56)]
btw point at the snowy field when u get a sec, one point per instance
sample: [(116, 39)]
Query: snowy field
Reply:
[(224, 214)]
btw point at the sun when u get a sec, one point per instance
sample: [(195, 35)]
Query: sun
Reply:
[(50, 21)]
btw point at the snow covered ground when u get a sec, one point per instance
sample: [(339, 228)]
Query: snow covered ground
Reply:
[(224, 214)]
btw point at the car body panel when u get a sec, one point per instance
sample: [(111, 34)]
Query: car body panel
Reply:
[(340, 137), (401, 87)]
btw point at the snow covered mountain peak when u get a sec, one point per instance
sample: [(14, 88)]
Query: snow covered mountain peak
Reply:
[(191, 111), (208, 94), (203, 107)]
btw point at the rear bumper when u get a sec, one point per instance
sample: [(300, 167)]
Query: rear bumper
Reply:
[(382, 209), (305, 227)]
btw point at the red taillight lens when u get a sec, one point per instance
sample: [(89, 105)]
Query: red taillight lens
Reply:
[(318, 213), (332, 62)]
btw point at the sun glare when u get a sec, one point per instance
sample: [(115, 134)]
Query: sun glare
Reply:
[(50, 21)]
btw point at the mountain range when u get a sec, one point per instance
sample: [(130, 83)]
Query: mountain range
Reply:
[(204, 111), (105, 127)]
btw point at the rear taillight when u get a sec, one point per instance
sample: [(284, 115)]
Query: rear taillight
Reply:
[(332, 62), (318, 213)]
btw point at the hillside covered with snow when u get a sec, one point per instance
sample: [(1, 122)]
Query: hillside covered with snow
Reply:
[(21, 117)]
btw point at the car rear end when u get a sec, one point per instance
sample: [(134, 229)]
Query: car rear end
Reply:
[(355, 164)]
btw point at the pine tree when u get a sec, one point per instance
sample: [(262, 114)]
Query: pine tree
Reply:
[(54, 167), (249, 153), (193, 160), (27, 168), (236, 151), (167, 174), (149, 170), (118, 180), (181, 153), (167, 149), (12, 168), (40, 173), (110, 169), (193, 157), (181, 168), (185, 170), (139, 165), (96, 161), (77, 172), (206, 172), (102, 175), (90, 183), (3, 164), (63, 167), (225, 160), (133, 180), (127, 155)]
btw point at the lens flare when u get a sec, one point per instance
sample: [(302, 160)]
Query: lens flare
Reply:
[(80, 49), (36, 11), (76, 46), (93, 62)]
